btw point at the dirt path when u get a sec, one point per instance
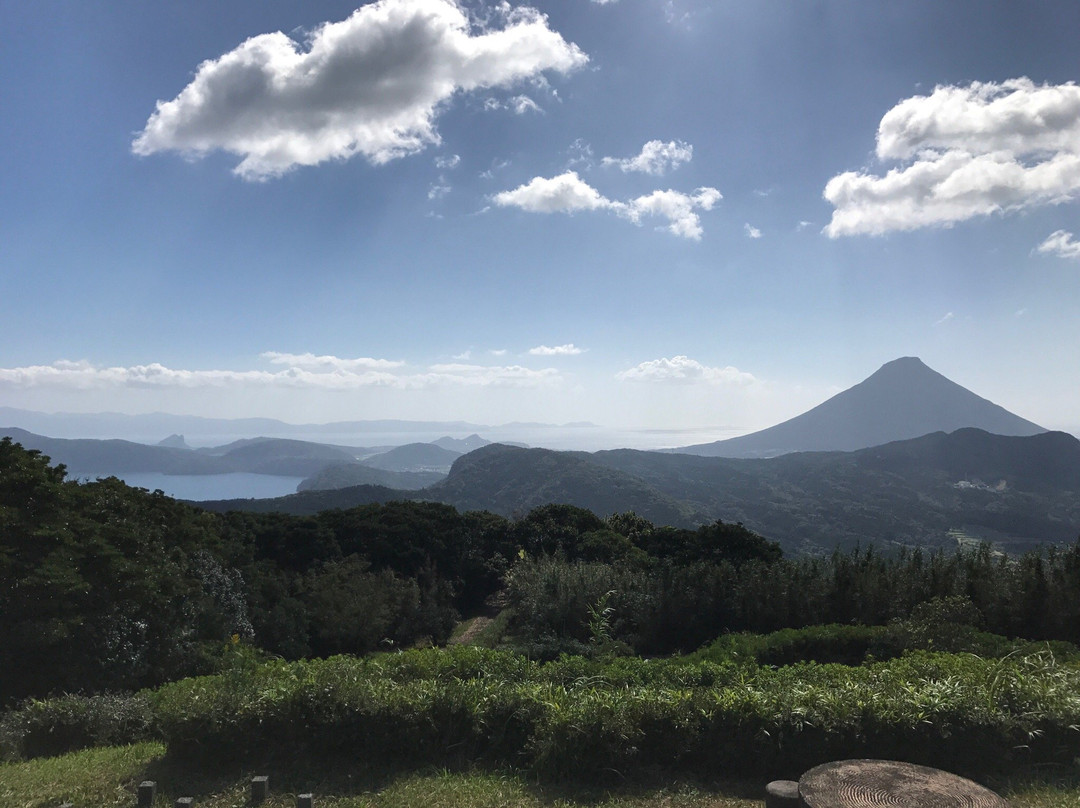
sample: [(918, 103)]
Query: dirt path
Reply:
[(472, 628)]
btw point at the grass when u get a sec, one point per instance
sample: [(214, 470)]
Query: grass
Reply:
[(104, 777), (108, 777)]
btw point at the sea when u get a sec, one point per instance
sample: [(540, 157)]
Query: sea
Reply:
[(237, 485)]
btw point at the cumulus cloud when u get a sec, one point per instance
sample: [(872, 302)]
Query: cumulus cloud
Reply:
[(447, 161), (656, 157), (678, 208), (751, 231), (1062, 244), (568, 193), (1016, 116), (684, 370), (558, 350), (372, 85), (966, 151), (300, 371)]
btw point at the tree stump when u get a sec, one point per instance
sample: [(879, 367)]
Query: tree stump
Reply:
[(891, 783), (782, 794)]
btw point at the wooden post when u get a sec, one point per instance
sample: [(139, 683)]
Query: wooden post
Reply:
[(260, 789), (305, 801), (146, 794)]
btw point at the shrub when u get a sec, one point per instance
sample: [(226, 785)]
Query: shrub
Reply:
[(44, 728), (578, 716)]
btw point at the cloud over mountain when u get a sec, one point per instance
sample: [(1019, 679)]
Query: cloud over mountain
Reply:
[(372, 85), (965, 152)]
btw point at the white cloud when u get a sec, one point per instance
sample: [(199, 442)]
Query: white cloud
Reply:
[(970, 151), (656, 157), (372, 84), (558, 350), (522, 104), (301, 371), (437, 191), (568, 193), (489, 376), (683, 370), (1016, 116), (678, 208), (579, 153), (948, 316), (310, 361), (519, 104), (498, 352), (751, 231), (447, 161), (1061, 244)]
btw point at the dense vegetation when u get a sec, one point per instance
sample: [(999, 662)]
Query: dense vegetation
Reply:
[(111, 587), (244, 639)]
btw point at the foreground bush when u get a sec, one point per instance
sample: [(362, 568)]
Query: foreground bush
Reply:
[(44, 728), (577, 717)]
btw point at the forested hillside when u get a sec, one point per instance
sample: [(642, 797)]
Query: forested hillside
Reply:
[(111, 587)]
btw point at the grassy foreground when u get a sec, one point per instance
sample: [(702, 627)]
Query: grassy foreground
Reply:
[(108, 776)]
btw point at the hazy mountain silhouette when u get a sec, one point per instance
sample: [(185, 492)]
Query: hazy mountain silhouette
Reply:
[(274, 456), (903, 399), (462, 445), (414, 457), (347, 475)]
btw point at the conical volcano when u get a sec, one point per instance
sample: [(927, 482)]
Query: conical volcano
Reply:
[(903, 399)]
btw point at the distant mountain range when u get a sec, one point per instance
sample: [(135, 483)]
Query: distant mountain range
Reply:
[(275, 456), (934, 490), (903, 399), (407, 467), (150, 426), (906, 457)]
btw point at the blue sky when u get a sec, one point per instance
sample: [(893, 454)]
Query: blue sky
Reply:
[(641, 213)]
